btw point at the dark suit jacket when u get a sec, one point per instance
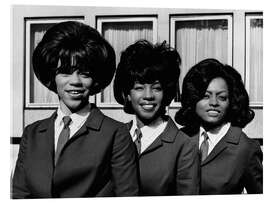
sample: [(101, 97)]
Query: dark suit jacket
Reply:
[(98, 160), (234, 163), (170, 165)]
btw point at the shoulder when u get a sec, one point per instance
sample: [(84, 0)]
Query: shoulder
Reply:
[(40, 124), (176, 134), (99, 120), (239, 135), (246, 144), (112, 122), (250, 143)]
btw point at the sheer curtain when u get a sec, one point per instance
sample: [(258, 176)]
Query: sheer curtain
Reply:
[(38, 92), (120, 35), (200, 39), (256, 60)]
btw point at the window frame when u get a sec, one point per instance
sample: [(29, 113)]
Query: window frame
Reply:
[(248, 18), (195, 17), (116, 19), (27, 77)]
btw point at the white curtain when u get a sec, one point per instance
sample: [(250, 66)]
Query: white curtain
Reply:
[(121, 35), (38, 92), (256, 60), (200, 39)]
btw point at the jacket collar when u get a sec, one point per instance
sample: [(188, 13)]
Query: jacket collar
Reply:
[(168, 135), (170, 132), (94, 120), (231, 137), (47, 123)]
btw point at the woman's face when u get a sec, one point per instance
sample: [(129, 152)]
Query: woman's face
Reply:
[(73, 90), (146, 101), (212, 108)]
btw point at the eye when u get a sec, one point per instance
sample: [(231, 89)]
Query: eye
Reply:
[(85, 74), (223, 98), (138, 87), (157, 88), (206, 96)]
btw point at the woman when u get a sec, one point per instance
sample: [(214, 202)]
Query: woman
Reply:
[(146, 82), (78, 151), (215, 108)]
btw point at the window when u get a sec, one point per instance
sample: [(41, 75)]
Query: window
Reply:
[(36, 95), (121, 32), (254, 59), (200, 37)]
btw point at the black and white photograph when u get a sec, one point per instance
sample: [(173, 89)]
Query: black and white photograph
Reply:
[(133, 101)]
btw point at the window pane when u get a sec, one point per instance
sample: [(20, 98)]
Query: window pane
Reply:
[(200, 39), (38, 92), (121, 35), (256, 60)]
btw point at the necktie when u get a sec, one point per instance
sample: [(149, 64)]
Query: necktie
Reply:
[(204, 147), (138, 140), (63, 137)]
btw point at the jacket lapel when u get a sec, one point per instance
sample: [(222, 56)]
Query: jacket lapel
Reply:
[(129, 125), (168, 135), (93, 122), (231, 137)]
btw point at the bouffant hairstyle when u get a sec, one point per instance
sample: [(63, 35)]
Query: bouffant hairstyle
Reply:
[(69, 46), (144, 62), (194, 87)]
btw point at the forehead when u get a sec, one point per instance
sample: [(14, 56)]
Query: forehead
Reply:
[(146, 82), (217, 85)]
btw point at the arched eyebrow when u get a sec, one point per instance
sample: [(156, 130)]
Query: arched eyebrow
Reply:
[(219, 92), (156, 82)]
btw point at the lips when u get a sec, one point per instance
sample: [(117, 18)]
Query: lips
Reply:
[(148, 107), (75, 93), (213, 112)]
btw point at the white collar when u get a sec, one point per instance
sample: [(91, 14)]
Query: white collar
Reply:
[(215, 137), (147, 129), (76, 118)]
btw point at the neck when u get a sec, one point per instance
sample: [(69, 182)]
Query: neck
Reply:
[(68, 111), (213, 129), (141, 122)]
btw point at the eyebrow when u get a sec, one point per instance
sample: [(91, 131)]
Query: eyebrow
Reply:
[(222, 91), (154, 83)]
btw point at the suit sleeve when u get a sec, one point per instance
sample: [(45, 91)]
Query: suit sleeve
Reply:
[(124, 168), (253, 177), (19, 186), (188, 169)]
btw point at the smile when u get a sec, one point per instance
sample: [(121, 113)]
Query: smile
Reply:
[(148, 107), (75, 93), (213, 112)]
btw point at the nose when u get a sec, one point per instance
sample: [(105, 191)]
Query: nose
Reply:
[(213, 101), (75, 78), (148, 93)]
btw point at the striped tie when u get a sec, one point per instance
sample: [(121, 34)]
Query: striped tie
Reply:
[(63, 137), (138, 140), (204, 147)]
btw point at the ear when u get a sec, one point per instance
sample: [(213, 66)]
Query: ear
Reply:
[(128, 97), (94, 88)]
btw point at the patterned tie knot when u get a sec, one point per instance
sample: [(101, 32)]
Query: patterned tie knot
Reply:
[(66, 121), (138, 133), (205, 135)]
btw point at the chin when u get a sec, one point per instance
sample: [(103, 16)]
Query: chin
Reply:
[(75, 107), (213, 124)]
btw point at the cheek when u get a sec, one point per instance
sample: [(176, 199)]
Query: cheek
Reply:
[(225, 107), (134, 97), (200, 106)]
